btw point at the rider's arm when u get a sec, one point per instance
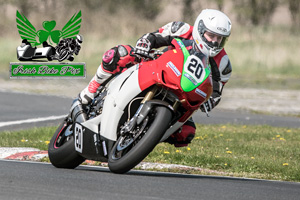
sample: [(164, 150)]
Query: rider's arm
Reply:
[(165, 35), (221, 72)]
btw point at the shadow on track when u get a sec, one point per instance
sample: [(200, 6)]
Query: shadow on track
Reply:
[(164, 174)]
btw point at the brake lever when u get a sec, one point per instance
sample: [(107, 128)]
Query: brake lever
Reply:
[(207, 115)]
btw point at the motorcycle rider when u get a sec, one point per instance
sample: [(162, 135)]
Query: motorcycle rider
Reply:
[(210, 32)]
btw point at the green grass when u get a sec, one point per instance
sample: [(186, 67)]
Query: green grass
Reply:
[(250, 151), (235, 150), (264, 57), (36, 138)]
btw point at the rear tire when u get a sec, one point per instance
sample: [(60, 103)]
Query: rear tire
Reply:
[(134, 154), (63, 155)]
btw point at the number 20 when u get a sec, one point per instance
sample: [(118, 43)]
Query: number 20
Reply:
[(195, 68)]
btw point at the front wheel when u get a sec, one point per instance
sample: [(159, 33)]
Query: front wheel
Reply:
[(61, 150), (130, 150)]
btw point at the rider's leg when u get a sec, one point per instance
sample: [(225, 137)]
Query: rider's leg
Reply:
[(114, 61)]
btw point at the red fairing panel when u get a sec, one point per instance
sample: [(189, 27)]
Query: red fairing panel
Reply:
[(166, 71), (159, 71)]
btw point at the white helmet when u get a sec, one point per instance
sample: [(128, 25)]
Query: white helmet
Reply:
[(215, 22)]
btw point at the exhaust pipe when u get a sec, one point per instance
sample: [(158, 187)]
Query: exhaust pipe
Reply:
[(77, 112)]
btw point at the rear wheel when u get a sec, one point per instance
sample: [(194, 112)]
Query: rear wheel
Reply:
[(131, 149), (61, 150)]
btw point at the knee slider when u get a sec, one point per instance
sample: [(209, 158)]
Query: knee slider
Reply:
[(110, 59)]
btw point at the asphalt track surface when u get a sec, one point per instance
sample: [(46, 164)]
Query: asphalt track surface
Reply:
[(17, 107), (26, 180)]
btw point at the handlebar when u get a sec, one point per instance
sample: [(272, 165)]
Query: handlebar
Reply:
[(153, 55)]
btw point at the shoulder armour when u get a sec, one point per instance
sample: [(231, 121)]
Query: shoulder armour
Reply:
[(225, 68), (176, 26), (176, 29)]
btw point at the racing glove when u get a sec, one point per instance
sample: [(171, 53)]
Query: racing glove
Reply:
[(208, 105), (142, 47)]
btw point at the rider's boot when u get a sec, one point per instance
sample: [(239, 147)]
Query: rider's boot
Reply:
[(78, 111), (184, 135), (88, 93)]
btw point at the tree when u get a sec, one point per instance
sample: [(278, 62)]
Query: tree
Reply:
[(220, 4), (258, 12), (147, 8), (188, 14), (294, 6)]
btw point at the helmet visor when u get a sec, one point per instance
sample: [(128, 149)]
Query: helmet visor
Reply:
[(214, 40)]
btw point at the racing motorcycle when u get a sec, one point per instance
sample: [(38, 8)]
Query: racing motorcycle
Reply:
[(134, 111)]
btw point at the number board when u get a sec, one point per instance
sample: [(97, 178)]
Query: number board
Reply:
[(78, 138), (194, 73)]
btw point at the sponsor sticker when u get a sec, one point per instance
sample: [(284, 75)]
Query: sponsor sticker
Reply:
[(174, 68), (188, 76), (180, 43), (201, 93)]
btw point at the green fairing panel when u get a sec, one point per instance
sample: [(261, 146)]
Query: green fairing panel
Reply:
[(194, 72)]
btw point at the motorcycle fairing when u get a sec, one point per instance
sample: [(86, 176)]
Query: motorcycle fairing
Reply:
[(171, 130), (120, 92)]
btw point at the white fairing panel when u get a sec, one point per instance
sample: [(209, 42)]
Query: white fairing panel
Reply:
[(92, 124), (171, 130), (120, 92)]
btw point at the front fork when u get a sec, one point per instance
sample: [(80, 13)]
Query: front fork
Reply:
[(146, 105), (149, 95)]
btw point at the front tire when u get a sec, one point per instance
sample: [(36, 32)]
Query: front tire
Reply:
[(122, 160), (61, 150)]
